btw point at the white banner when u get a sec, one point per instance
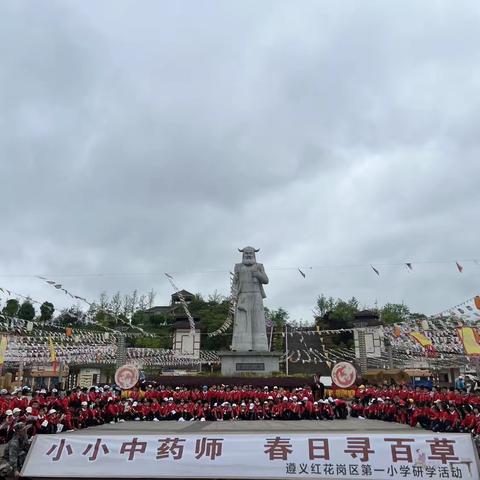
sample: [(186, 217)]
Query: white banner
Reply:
[(264, 456)]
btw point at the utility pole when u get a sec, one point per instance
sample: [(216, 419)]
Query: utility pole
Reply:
[(390, 357), (271, 338), (361, 325), (286, 349), (121, 350), (362, 350)]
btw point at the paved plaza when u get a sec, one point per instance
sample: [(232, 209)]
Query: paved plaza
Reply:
[(350, 425)]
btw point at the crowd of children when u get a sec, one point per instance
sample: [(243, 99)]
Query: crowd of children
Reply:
[(56, 411), (439, 410)]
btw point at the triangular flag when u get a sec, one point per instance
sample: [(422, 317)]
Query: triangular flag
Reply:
[(476, 301), (460, 268), (168, 276), (53, 354), (375, 270), (409, 266), (301, 273)]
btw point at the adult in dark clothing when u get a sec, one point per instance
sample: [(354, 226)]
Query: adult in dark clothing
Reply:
[(318, 388), (15, 452)]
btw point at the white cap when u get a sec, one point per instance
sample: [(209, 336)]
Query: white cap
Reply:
[(43, 390), (28, 409), (16, 410), (84, 404), (134, 404), (170, 399), (165, 399), (52, 411), (304, 399), (270, 397), (8, 413), (3, 391), (54, 390)]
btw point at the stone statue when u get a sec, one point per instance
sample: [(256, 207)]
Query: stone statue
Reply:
[(249, 330)]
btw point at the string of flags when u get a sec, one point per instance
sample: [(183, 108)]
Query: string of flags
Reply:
[(231, 309), (459, 263), (409, 266), (16, 294), (191, 321), (376, 267), (108, 311), (468, 308)]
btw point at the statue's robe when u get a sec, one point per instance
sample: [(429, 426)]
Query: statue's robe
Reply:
[(249, 330)]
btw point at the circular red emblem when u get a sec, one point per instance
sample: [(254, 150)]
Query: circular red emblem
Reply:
[(126, 376), (344, 375)]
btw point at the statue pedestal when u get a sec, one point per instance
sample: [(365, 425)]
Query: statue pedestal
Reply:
[(257, 363)]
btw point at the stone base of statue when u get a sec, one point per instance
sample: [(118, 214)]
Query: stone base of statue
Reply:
[(256, 363)]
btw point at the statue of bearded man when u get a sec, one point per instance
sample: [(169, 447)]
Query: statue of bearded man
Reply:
[(249, 330)]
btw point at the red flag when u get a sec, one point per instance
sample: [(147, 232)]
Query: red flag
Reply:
[(460, 268)]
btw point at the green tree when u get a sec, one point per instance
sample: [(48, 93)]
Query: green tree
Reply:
[(394, 313), (26, 311), (334, 314), (46, 311), (71, 316), (278, 318), (324, 305), (216, 297), (11, 307), (212, 314)]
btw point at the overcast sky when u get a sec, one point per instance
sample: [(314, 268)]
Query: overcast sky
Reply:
[(138, 138)]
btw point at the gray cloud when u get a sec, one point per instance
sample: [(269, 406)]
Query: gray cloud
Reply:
[(142, 138)]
